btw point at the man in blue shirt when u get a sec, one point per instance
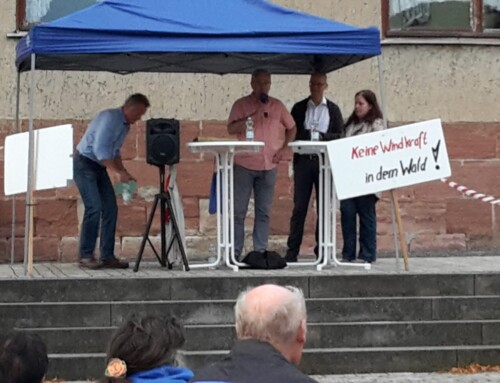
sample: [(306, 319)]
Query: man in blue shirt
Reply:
[(98, 152)]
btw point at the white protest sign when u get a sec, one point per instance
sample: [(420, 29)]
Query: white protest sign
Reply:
[(53, 159), (389, 159)]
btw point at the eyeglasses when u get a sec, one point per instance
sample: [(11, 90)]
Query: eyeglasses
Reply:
[(317, 84)]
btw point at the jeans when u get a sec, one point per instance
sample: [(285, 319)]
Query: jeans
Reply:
[(363, 206), (305, 177), (99, 201), (261, 182)]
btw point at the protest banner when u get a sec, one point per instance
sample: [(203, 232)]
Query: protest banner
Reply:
[(389, 159)]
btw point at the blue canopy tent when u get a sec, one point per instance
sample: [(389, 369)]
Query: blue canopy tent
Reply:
[(203, 36), (199, 36)]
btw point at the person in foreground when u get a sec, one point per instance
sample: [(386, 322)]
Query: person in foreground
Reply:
[(271, 332), (96, 154), (144, 350), (317, 113), (366, 118), (23, 359), (272, 124)]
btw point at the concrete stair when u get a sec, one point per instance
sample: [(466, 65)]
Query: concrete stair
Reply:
[(358, 323)]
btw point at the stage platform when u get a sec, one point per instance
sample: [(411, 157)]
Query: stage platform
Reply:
[(420, 265)]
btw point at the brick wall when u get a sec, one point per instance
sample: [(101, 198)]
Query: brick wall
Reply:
[(436, 218)]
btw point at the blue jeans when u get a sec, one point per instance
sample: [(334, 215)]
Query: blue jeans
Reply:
[(363, 206), (262, 183), (101, 209)]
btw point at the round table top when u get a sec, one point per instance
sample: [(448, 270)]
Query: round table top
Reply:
[(225, 145)]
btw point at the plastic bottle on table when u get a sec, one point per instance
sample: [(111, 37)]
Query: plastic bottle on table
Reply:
[(249, 129), (314, 131)]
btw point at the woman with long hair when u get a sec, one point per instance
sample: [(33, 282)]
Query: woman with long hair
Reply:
[(365, 118), (144, 350)]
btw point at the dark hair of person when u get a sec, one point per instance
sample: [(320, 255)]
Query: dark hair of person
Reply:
[(137, 98), (373, 114), (23, 358), (257, 72), (145, 343)]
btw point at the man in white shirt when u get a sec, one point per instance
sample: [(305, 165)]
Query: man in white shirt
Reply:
[(318, 116)]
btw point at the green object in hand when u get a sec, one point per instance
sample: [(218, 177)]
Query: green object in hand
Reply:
[(126, 190)]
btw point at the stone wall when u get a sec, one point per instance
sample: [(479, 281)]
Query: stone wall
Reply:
[(436, 218)]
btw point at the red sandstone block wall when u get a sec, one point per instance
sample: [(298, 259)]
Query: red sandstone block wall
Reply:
[(436, 218)]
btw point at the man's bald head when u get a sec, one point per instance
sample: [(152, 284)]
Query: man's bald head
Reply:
[(271, 313)]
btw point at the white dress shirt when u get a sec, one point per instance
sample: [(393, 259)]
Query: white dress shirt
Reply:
[(318, 114)]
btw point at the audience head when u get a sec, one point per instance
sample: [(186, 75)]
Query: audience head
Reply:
[(142, 344), (135, 107), (23, 359), (366, 108), (317, 85), (261, 84), (273, 314)]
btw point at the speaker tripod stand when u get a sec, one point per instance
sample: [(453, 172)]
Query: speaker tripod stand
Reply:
[(164, 199)]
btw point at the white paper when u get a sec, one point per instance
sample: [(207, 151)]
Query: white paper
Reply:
[(53, 159)]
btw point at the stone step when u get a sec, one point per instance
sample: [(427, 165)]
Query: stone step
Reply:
[(319, 335), (314, 361), (103, 314), (227, 285)]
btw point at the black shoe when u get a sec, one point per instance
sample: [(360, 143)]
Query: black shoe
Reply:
[(361, 259), (347, 260), (89, 263), (291, 258), (114, 263)]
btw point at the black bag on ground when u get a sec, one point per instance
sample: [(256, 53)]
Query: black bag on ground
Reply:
[(264, 260)]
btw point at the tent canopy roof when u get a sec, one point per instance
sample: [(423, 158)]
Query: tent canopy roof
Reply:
[(206, 36)]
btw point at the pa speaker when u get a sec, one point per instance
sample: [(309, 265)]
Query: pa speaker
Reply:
[(162, 141)]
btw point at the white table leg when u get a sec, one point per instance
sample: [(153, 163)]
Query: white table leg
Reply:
[(333, 219), (228, 205), (324, 216), (220, 219)]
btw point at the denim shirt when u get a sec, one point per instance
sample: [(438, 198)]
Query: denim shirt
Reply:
[(104, 136)]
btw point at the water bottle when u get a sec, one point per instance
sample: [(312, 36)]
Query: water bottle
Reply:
[(249, 130), (314, 132), (212, 255)]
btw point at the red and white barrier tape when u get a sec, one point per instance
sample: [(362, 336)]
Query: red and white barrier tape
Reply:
[(471, 193)]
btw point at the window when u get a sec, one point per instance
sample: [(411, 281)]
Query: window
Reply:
[(441, 18), (31, 12)]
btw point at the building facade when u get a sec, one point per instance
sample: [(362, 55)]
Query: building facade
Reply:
[(440, 60)]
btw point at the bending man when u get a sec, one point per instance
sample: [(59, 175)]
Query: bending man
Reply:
[(98, 152)]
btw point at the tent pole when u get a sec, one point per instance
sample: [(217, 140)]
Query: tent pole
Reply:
[(13, 234), (28, 231), (396, 223)]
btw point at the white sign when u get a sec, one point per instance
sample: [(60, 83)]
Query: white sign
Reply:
[(53, 159), (389, 159)]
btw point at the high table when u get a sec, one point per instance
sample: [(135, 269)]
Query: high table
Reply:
[(327, 209), (224, 152)]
